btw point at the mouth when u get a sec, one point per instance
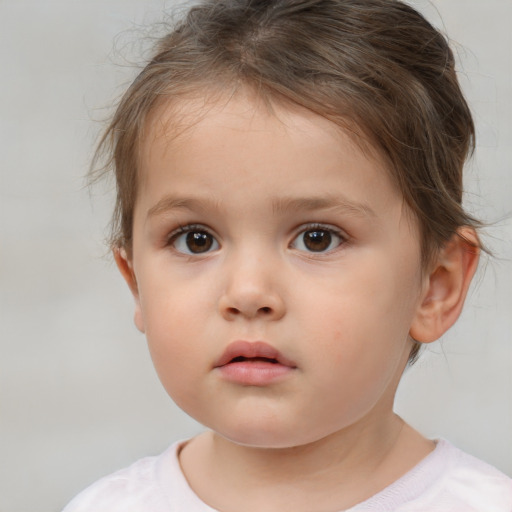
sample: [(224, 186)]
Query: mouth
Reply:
[(253, 352), (253, 364)]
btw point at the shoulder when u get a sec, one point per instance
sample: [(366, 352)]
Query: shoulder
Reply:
[(136, 488), (467, 480), (447, 480)]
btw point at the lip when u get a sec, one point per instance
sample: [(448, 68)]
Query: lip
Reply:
[(253, 363)]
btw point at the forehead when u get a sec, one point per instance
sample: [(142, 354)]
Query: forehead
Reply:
[(209, 139), (173, 116), (174, 121)]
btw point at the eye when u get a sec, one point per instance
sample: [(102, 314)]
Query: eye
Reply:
[(317, 239), (193, 240)]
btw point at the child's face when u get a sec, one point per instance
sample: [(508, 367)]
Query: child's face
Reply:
[(274, 228)]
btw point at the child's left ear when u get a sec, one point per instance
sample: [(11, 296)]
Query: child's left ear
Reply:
[(446, 287)]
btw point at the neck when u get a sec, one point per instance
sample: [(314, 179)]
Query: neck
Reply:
[(333, 473)]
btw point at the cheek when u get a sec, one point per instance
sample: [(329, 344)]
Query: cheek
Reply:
[(178, 363), (172, 301), (170, 326), (361, 320), (172, 319)]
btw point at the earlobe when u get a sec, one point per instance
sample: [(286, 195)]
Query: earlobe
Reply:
[(125, 266), (446, 286)]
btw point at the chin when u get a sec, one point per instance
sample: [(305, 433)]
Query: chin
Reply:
[(261, 441), (254, 434), (266, 436)]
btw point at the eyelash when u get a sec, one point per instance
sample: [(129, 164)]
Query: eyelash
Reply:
[(174, 237)]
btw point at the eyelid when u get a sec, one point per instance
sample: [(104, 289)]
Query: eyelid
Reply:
[(187, 228), (311, 226)]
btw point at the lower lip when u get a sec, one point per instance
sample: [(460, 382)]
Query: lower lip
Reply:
[(254, 373)]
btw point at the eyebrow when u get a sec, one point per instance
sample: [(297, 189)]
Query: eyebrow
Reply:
[(279, 205), (168, 203), (328, 202)]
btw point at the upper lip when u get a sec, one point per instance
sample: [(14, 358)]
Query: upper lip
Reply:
[(251, 350)]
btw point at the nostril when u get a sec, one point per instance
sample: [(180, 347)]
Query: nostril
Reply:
[(250, 311)]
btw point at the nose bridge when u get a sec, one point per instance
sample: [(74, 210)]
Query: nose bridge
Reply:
[(252, 286)]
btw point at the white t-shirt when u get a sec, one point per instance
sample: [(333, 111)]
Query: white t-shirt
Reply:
[(447, 480)]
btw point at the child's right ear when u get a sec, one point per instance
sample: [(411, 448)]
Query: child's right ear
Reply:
[(125, 266)]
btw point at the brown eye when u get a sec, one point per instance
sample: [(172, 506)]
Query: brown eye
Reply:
[(199, 242), (194, 241), (317, 240)]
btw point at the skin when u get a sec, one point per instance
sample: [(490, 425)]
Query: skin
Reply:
[(252, 183)]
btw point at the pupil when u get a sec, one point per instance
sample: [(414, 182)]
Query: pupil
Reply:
[(317, 240), (199, 241)]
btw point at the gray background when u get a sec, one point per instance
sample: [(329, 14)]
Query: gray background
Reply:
[(78, 395)]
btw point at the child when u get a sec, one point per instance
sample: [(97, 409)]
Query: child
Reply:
[(289, 222)]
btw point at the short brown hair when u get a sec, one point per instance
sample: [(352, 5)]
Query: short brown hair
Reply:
[(376, 65)]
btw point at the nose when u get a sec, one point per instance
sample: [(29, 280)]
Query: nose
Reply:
[(252, 291)]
